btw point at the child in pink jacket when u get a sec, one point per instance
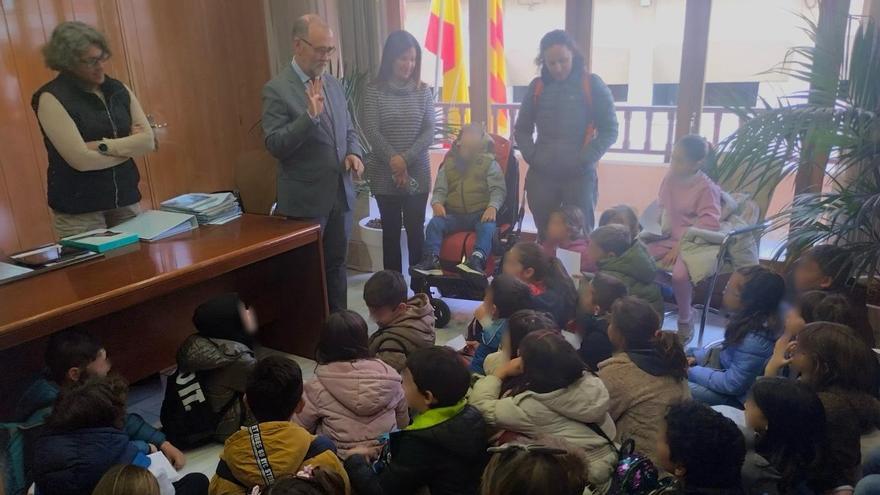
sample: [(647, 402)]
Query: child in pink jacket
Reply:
[(688, 198), (353, 399)]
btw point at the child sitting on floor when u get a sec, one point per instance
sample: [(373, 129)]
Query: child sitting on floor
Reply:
[(257, 455), (753, 294), (221, 354), (72, 356), (559, 399), (622, 215), (504, 296), (688, 198), (594, 307), (552, 289), (468, 192), (811, 306), (404, 324), (702, 449), (565, 230), (842, 370), (127, 479), (84, 439), (618, 254), (790, 442), (444, 449), (520, 324), (532, 468), (646, 375), (309, 480), (354, 399)]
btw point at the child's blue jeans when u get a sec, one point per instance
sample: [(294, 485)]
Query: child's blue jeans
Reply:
[(451, 223)]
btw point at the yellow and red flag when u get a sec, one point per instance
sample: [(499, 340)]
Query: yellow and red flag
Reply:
[(444, 40), (497, 66)]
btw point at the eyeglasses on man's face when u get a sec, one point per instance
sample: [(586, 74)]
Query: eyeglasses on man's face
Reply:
[(322, 50)]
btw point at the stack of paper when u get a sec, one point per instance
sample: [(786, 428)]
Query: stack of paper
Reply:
[(213, 209), (154, 225)]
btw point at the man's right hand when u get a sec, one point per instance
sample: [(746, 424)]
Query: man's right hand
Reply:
[(315, 95), (439, 209)]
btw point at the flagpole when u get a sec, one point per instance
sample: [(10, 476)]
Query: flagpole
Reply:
[(439, 53)]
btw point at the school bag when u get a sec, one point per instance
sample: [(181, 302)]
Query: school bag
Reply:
[(587, 87), (187, 418), (635, 474), (16, 451)]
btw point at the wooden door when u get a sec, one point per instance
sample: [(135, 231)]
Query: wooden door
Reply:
[(198, 67)]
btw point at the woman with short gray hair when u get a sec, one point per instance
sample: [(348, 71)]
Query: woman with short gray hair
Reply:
[(93, 127)]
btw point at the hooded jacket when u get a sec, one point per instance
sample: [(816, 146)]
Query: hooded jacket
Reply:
[(563, 413), (410, 330), (640, 391), (72, 463), (288, 447), (221, 352), (637, 270), (444, 450), (354, 403), (595, 344), (741, 364)]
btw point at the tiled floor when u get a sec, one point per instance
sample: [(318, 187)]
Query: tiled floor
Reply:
[(146, 396)]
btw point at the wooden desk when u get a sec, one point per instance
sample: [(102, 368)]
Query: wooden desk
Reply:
[(140, 304)]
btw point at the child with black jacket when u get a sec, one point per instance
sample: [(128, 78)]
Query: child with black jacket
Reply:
[(594, 308), (444, 449)]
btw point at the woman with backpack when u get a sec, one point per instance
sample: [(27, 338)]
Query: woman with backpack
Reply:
[(573, 113)]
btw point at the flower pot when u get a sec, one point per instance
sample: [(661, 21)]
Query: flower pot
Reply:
[(372, 238)]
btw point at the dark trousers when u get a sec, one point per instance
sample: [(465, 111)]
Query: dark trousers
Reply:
[(548, 193), (403, 210), (192, 484), (336, 231)]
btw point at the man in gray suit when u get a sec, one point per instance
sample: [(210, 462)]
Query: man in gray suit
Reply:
[(308, 129)]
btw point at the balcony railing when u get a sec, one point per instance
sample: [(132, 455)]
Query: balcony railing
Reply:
[(651, 132)]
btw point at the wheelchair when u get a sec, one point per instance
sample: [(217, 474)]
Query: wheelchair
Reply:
[(457, 247)]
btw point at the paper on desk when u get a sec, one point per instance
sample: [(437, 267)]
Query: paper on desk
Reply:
[(571, 260), (457, 344), (164, 472)]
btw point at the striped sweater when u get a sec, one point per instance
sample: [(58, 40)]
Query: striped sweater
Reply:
[(398, 120)]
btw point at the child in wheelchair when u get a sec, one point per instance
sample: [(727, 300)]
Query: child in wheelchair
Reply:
[(468, 192)]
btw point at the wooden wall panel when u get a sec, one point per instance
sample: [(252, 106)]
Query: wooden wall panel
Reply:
[(201, 66)]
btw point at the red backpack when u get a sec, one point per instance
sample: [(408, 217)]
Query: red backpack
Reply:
[(588, 96)]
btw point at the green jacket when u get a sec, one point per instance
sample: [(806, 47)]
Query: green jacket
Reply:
[(637, 270), (471, 189)]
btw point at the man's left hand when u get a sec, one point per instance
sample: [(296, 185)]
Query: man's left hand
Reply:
[(489, 214), (354, 164)]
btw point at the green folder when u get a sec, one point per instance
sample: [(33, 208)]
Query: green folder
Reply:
[(101, 240)]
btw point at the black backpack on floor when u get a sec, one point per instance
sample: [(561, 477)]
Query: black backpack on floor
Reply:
[(187, 418)]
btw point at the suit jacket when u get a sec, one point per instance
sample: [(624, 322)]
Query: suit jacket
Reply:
[(310, 156)]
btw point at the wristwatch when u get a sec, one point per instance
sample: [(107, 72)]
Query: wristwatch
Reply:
[(103, 148)]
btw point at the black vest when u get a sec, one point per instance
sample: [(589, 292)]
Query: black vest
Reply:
[(72, 191)]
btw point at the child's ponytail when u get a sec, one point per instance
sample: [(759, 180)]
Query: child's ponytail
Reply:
[(639, 325), (559, 280)]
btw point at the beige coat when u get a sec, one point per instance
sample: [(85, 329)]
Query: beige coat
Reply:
[(562, 414), (639, 400)]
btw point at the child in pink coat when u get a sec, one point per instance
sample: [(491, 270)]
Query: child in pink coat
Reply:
[(689, 198), (353, 399), (565, 230)]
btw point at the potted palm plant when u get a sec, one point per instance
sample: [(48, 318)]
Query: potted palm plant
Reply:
[(774, 141)]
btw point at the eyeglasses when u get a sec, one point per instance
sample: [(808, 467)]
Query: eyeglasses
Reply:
[(93, 62), (323, 50)]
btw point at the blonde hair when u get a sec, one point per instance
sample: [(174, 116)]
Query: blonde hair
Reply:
[(127, 480)]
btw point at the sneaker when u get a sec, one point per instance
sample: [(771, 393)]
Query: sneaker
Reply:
[(476, 265), (430, 265), (685, 331)]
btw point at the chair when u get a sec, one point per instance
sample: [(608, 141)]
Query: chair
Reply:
[(458, 246)]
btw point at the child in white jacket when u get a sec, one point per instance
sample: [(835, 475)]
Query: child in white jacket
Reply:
[(559, 398)]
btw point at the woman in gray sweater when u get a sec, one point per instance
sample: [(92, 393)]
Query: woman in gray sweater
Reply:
[(573, 112), (398, 120)]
